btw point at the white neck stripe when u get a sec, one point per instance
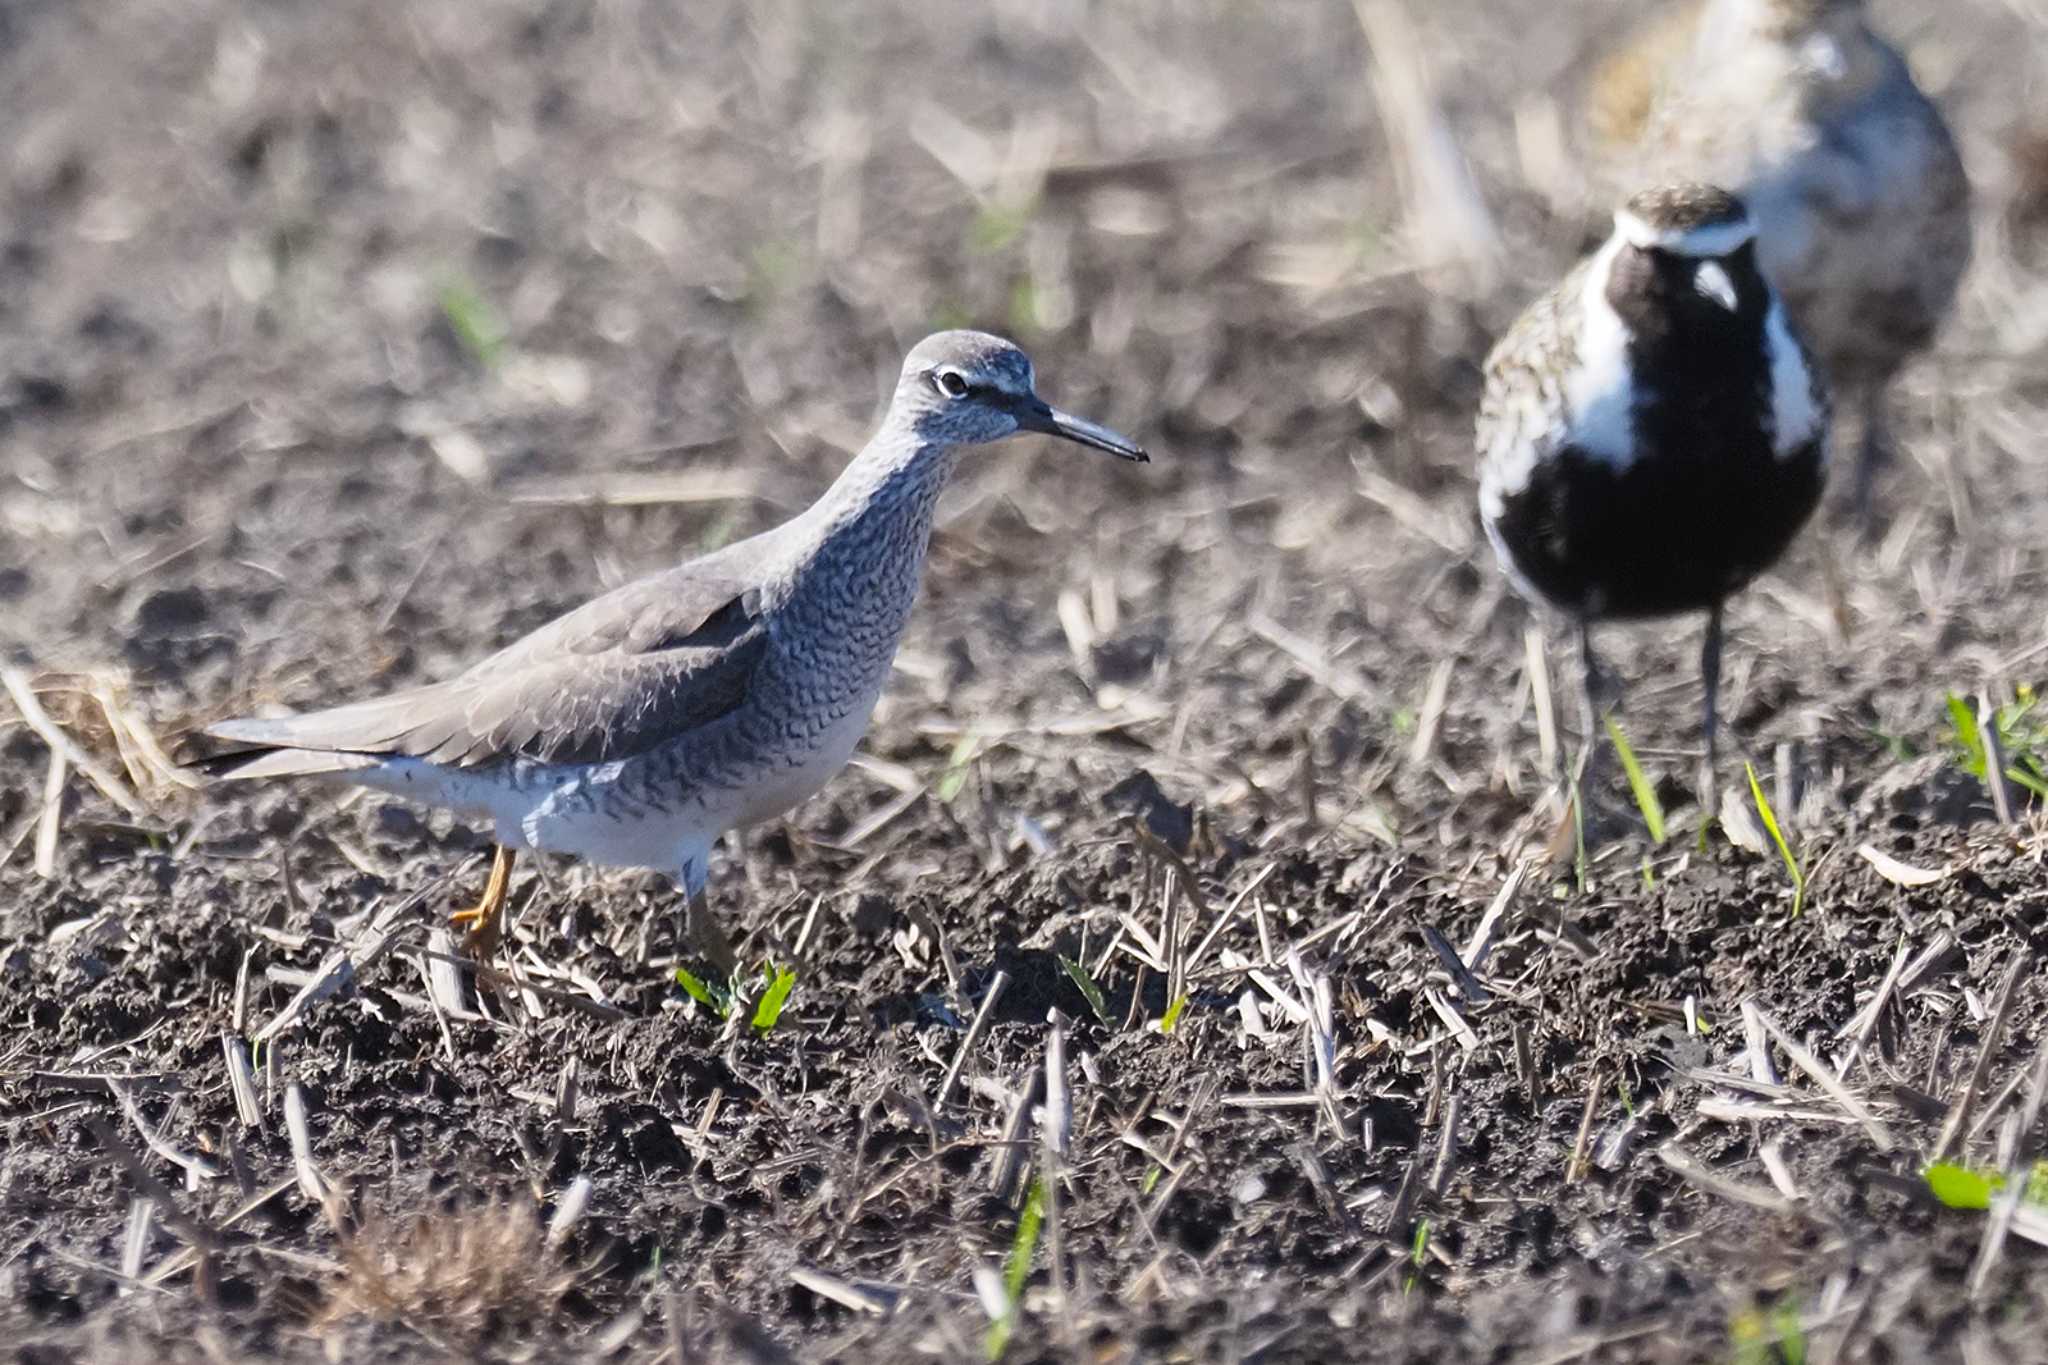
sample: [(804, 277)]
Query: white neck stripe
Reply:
[(1711, 239)]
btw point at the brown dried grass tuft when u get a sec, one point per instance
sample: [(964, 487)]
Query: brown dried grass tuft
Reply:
[(451, 1275)]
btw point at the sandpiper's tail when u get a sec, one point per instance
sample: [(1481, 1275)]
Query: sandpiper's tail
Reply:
[(337, 739), (237, 763), (267, 748)]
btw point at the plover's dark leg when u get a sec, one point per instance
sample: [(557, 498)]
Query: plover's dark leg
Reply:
[(1710, 710), (1874, 451), (1576, 775), (1595, 690), (486, 918)]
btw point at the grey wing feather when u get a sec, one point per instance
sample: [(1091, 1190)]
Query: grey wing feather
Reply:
[(619, 675)]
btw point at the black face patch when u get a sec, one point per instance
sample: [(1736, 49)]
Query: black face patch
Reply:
[(1656, 292)]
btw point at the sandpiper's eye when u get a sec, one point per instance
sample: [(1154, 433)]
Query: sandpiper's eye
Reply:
[(951, 383)]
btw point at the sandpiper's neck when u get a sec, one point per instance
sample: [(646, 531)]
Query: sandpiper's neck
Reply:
[(897, 475), (875, 521)]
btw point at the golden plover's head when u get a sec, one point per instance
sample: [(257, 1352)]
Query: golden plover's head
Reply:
[(1676, 298), (1699, 221), (1683, 259)]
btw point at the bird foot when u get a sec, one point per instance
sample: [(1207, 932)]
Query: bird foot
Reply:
[(486, 919), (485, 933)]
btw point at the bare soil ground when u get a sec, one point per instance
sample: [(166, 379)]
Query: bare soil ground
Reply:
[(339, 343)]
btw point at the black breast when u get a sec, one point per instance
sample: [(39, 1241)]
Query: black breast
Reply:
[(1706, 504)]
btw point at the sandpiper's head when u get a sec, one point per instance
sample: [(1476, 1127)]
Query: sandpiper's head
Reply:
[(1686, 251), (967, 388)]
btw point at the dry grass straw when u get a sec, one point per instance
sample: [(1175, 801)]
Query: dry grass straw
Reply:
[(1443, 202), (454, 1275)]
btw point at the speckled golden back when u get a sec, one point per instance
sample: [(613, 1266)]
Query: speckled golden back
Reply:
[(1623, 87)]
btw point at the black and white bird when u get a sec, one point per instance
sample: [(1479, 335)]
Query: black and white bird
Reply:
[(1861, 199), (1652, 434)]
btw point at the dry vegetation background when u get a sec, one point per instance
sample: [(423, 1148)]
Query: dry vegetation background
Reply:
[(340, 342)]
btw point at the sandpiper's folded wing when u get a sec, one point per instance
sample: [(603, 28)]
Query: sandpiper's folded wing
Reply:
[(622, 674)]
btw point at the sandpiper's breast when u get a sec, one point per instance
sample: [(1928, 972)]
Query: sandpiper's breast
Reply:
[(793, 773)]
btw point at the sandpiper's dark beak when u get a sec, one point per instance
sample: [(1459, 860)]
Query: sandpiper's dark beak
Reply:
[(1035, 414)]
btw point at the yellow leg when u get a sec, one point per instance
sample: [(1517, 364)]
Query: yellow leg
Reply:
[(486, 918)]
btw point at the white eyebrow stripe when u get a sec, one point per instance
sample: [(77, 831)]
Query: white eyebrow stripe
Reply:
[(1712, 239)]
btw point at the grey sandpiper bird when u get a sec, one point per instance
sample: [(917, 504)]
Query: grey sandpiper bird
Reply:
[(638, 728), (1860, 198), (1651, 436)]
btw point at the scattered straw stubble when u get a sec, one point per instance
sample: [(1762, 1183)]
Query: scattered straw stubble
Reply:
[(451, 1276)]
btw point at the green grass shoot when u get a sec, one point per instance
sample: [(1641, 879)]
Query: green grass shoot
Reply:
[(1961, 1187), (474, 323), (1791, 1337), (1024, 306), (999, 225), (955, 776), (1638, 784), (1964, 736), (1085, 984), (1025, 1244), (1773, 1338), (1017, 1270), (1899, 747), (1173, 1013), (771, 268), (701, 992), (1770, 819), (2022, 739), (1151, 1179), (781, 980), (1418, 1255)]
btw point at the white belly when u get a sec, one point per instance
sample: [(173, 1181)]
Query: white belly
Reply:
[(569, 815), (575, 813), (790, 784)]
